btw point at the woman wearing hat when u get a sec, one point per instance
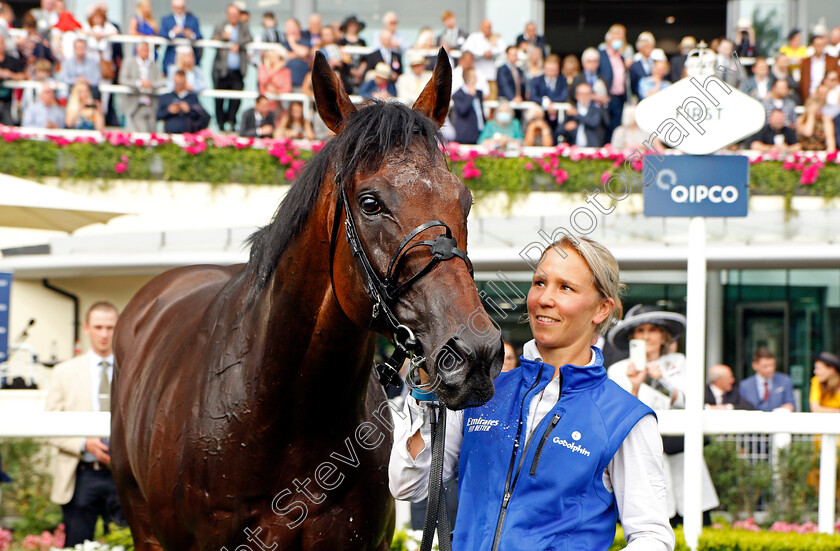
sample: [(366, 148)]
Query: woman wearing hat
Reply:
[(353, 73), (659, 384), (665, 372), (559, 453), (825, 385)]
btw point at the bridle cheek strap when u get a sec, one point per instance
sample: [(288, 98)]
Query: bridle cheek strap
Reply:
[(384, 294)]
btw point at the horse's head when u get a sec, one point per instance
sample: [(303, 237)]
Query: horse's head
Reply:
[(388, 163)]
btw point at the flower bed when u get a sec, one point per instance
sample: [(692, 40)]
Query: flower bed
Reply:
[(207, 157)]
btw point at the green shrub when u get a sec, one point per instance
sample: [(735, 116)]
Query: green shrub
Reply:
[(740, 540), (739, 483), (793, 497), (27, 499)]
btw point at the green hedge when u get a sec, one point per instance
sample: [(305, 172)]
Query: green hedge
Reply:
[(169, 162), (741, 540)]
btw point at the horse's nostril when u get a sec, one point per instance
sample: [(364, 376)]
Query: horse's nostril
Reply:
[(454, 355)]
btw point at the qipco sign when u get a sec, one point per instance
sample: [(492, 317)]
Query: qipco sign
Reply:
[(684, 185)]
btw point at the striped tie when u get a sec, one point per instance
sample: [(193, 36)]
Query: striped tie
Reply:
[(104, 387)]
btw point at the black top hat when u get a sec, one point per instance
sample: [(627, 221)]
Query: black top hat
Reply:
[(351, 19), (619, 335)]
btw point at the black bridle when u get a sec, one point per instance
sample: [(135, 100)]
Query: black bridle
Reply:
[(384, 293)]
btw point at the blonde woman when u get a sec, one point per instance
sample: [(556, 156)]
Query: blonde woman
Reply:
[(83, 112), (560, 452), (143, 22)]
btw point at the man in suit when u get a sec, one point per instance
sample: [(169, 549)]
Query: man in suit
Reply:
[(722, 392), (82, 481), (179, 24), (760, 83), (468, 109), (767, 390), (142, 74), (585, 123), (643, 67), (813, 69), (179, 109), (452, 35), (258, 122), (531, 38), (550, 88), (590, 59), (387, 54), (230, 64), (510, 78)]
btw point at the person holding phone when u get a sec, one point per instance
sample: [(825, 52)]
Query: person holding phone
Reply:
[(82, 481), (658, 377)]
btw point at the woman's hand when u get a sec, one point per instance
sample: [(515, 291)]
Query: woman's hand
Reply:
[(636, 376), (654, 371)]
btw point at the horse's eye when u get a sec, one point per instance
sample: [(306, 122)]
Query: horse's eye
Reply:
[(369, 204)]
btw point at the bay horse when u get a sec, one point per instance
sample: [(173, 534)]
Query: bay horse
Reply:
[(244, 413)]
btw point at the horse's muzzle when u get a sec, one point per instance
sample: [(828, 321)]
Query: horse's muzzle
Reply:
[(465, 369)]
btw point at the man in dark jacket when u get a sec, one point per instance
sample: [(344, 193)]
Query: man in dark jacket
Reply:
[(179, 110), (467, 113), (258, 122), (721, 390), (585, 123), (230, 64), (510, 79)]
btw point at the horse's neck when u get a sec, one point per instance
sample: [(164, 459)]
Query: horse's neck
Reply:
[(316, 353)]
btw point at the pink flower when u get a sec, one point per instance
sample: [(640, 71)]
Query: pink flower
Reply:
[(529, 166), (290, 174), (298, 164), (316, 147), (831, 157), (285, 159), (788, 165), (120, 168), (472, 155), (560, 176), (605, 177), (809, 175)]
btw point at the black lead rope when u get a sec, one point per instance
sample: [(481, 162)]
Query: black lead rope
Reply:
[(436, 517)]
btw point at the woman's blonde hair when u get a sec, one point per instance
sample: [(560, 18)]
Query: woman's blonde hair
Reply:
[(605, 275), (74, 101)]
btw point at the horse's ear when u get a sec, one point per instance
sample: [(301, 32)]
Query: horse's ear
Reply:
[(434, 101), (331, 101)]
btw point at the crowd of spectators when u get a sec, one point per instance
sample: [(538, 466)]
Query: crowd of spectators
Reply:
[(578, 100)]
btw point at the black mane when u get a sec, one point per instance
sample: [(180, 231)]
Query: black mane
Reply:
[(370, 135)]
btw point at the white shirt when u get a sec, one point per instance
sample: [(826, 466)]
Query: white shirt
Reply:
[(635, 474), (717, 393), (759, 381), (817, 72), (478, 44)]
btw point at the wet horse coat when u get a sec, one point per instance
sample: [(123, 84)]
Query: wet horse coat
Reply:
[(244, 414)]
